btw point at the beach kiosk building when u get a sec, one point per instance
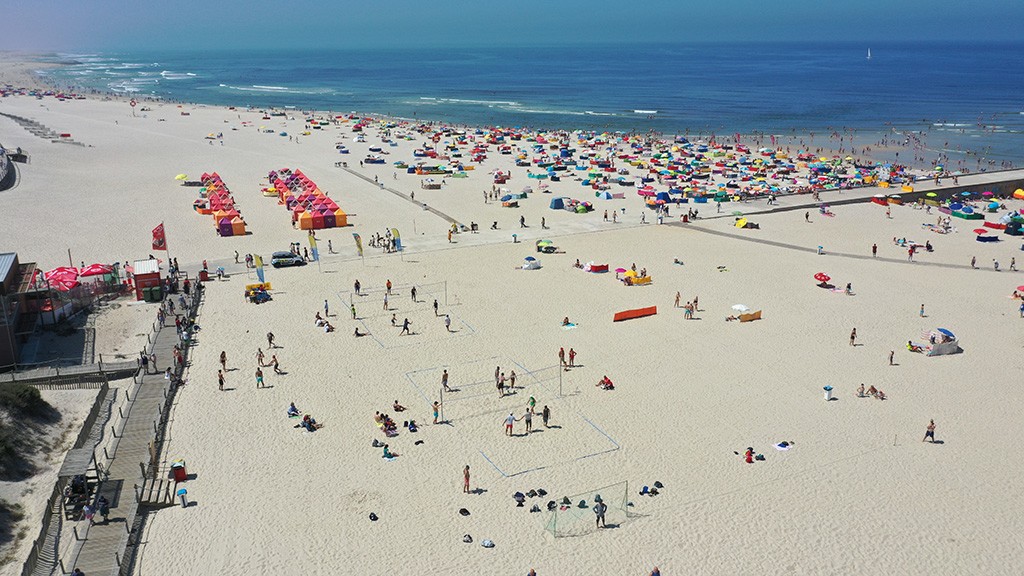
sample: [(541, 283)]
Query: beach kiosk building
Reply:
[(147, 280)]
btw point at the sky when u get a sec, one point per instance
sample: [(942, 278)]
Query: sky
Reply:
[(111, 25)]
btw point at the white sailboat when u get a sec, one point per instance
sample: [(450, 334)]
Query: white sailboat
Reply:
[(869, 53)]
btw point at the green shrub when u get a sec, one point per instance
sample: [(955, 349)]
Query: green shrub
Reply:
[(23, 400)]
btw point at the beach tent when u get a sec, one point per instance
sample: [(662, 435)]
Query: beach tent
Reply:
[(557, 203), (237, 226), (942, 342), (224, 227), (531, 263)]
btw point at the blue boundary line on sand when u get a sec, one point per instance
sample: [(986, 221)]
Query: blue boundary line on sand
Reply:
[(492, 463)]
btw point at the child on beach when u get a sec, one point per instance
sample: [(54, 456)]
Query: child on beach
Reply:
[(437, 410)]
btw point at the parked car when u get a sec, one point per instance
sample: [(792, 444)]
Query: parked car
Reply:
[(280, 259)]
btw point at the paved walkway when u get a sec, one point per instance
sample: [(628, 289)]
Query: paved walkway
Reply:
[(104, 544)]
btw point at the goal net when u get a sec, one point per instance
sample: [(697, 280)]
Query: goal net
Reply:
[(569, 518)]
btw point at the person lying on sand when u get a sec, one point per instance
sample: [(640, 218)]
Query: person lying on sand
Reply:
[(398, 407), (731, 318)]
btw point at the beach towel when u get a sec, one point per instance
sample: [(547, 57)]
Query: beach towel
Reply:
[(783, 446), (568, 326)]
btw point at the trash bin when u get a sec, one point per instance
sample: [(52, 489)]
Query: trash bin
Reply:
[(204, 275), (178, 471), (828, 393), (686, 218)]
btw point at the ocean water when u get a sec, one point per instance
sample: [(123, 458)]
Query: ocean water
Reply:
[(966, 101)]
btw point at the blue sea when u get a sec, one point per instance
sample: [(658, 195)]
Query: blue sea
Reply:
[(964, 101)]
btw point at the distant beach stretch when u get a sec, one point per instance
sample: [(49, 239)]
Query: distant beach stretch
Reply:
[(470, 344)]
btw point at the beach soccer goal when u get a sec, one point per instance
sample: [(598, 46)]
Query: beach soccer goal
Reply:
[(574, 515)]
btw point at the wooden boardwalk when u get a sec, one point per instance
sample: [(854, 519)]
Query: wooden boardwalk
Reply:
[(102, 548)]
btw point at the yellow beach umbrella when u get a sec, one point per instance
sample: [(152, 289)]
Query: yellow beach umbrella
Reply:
[(181, 177)]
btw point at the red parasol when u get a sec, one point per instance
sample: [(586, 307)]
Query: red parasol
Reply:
[(62, 274), (96, 270), (981, 230), (822, 277)]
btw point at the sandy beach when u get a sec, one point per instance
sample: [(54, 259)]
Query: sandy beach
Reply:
[(857, 492)]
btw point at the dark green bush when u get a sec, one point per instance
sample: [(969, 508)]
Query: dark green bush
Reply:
[(22, 400)]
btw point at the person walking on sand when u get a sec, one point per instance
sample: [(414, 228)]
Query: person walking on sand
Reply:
[(512, 380), (891, 354), (259, 378), (874, 250), (405, 327), (413, 291), (435, 307), (220, 380), (509, 423), (353, 308), (497, 370), (388, 286), (676, 305), (528, 418), (224, 360), (270, 339), (695, 299), (807, 217), (853, 337), (437, 410), (327, 310), (465, 479), (444, 381), (385, 301), (572, 358), (974, 262), (259, 357), (355, 285), (921, 313), (501, 385), (545, 414), (447, 323), (561, 357), (995, 265), (1013, 263), (274, 363), (929, 434)]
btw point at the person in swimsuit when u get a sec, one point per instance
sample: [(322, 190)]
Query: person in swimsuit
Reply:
[(509, 422), (930, 432), (259, 378), (437, 409), (465, 479)]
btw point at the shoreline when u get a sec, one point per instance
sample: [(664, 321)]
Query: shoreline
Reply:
[(877, 145)]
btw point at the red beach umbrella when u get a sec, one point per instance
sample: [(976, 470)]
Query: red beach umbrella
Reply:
[(822, 277), (96, 270), (981, 230)]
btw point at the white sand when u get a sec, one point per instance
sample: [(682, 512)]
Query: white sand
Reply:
[(859, 494)]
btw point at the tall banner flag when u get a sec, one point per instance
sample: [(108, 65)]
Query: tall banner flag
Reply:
[(159, 238), (312, 247), (359, 243), (258, 261), (398, 239)]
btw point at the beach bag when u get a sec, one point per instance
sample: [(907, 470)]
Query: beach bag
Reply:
[(487, 544), (467, 539)]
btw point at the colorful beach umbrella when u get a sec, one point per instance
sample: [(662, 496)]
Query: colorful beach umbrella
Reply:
[(822, 277), (981, 230), (181, 177)]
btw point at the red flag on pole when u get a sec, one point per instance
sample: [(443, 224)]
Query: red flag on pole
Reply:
[(159, 240)]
